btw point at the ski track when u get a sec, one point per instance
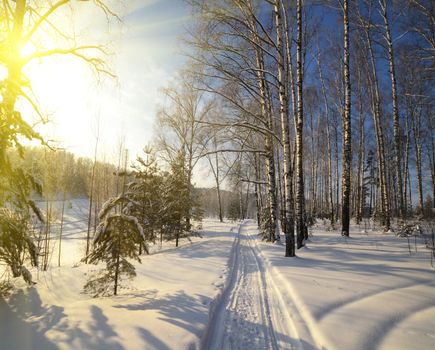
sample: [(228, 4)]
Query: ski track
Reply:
[(250, 314)]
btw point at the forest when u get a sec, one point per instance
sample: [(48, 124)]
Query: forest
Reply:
[(306, 121), (297, 113)]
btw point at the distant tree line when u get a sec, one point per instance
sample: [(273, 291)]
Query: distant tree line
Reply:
[(59, 171)]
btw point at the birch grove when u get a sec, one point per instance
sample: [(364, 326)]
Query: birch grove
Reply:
[(256, 57)]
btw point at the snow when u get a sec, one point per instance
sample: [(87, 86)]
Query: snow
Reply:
[(362, 292), (249, 315), (165, 307), (229, 290)]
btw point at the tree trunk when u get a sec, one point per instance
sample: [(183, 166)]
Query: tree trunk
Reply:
[(328, 136), (418, 163), (61, 228), (337, 172), (431, 156), (91, 197), (215, 170), (379, 136), (396, 125), (347, 133), (272, 202), (279, 191), (406, 163), (360, 167), (242, 211), (246, 202), (218, 190), (361, 164), (283, 109), (115, 289), (47, 236), (269, 148), (290, 84), (300, 188), (257, 190), (312, 192)]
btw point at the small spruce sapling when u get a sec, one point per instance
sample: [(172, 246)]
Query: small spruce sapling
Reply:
[(116, 240)]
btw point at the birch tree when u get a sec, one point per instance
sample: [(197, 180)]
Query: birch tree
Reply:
[(284, 115), (233, 45), (181, 130), (299, 125), (367, 27), (384, 11), (328, 141), (347, 134)]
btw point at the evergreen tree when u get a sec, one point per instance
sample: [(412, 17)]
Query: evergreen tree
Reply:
[(146, 190), (176, 201), (180, 202), (115, 241), (16, 242), (16, 245)]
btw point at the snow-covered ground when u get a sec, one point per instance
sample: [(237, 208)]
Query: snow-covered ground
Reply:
[(165, 307), (228, 290), (251, 313), (362, 292)]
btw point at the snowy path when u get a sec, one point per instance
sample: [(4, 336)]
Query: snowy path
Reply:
[(250, 314), (165, 307)]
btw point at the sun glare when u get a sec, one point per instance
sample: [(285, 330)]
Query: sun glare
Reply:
[(27, 49), (67, 90)]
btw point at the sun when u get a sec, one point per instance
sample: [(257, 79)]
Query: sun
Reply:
[(65, 91), (27, 49)]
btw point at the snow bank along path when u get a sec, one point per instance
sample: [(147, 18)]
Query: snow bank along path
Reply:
[(250, 313)]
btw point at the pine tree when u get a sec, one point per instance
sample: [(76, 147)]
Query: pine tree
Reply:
[(115, 241)]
